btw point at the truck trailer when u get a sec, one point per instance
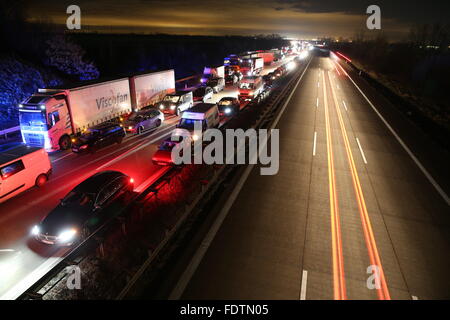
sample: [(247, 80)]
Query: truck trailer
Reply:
[(52, 116)]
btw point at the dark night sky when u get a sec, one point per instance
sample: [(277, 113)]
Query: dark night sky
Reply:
[(292, 18)]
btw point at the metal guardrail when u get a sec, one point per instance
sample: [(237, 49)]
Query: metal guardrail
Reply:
[(5, 132)]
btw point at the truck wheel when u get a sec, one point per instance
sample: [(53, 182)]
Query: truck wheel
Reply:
[(41, 180), (64, 143)]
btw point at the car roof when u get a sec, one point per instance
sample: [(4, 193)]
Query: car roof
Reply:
[(178, 93), (104, 126), (94, 183), (201, 107), (16, 152)]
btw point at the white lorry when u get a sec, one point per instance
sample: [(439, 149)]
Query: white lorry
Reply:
[(50, 117), (212, 72)]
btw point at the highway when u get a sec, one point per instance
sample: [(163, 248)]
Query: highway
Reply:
[(22, 260), (360, 191)]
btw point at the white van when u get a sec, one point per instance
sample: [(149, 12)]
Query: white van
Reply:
[(206, 113), (22, 167)]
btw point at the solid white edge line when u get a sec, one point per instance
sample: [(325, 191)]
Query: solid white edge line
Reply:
[(201, 250), (303, 285), (361, 150), (314, 145), (405, 147)]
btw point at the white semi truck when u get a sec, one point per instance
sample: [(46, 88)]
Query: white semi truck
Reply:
[(50, 117)]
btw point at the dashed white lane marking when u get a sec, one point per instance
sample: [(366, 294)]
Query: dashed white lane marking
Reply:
[(345, 105), (303, 285), (317, 102), (361, 150), (314, 145)]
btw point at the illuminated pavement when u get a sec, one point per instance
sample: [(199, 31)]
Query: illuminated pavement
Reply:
[(22, 260), (347, 196)]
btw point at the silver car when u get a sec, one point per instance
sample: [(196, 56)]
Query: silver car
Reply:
[(143, 120)]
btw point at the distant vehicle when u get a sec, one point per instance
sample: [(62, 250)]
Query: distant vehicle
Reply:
[(202, 94), (84, 208), (176, 103), (232, 76), (52, 116), (22, 167), (143, 120), (98, 137), (228, 106), (250, 88), (212, 72), (217, 84), (206, 114), (163, 156), (268, 79), (252, 66)]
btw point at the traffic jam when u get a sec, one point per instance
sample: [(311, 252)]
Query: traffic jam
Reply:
[(80, 134)]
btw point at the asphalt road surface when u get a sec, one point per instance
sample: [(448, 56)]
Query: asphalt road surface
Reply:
[(350, 214)]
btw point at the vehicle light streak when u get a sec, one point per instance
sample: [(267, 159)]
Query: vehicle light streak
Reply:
[(339, 287), (383, 291)]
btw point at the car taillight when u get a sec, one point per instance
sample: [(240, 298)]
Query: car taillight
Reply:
[(131, 180)]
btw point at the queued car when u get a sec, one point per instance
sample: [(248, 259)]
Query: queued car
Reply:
[(143, 120), (163, 156), (228, 106), (98, 137), (176, 103), (201, 94), (268, 79), (85, 208), (217, 84)]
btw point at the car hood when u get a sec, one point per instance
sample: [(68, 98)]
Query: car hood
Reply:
[(64, 217)]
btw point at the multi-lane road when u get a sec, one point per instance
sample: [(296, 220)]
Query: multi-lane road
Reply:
[(22, 260), (358, 210)]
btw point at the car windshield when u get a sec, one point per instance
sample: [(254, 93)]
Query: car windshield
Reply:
[(78, 199), (199, 92), (189, 124), (135, 117), (225, 102), (89, 133), (173, 99)]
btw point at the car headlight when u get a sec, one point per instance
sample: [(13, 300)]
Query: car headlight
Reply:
[(227, 110), (35, 231), (130, 127), (67, 235), (172, 107), (161, 106), (195, 137)]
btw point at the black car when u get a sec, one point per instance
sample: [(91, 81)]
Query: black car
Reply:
[(228, 106), (85, 208), (202, 94), (97, 137)]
